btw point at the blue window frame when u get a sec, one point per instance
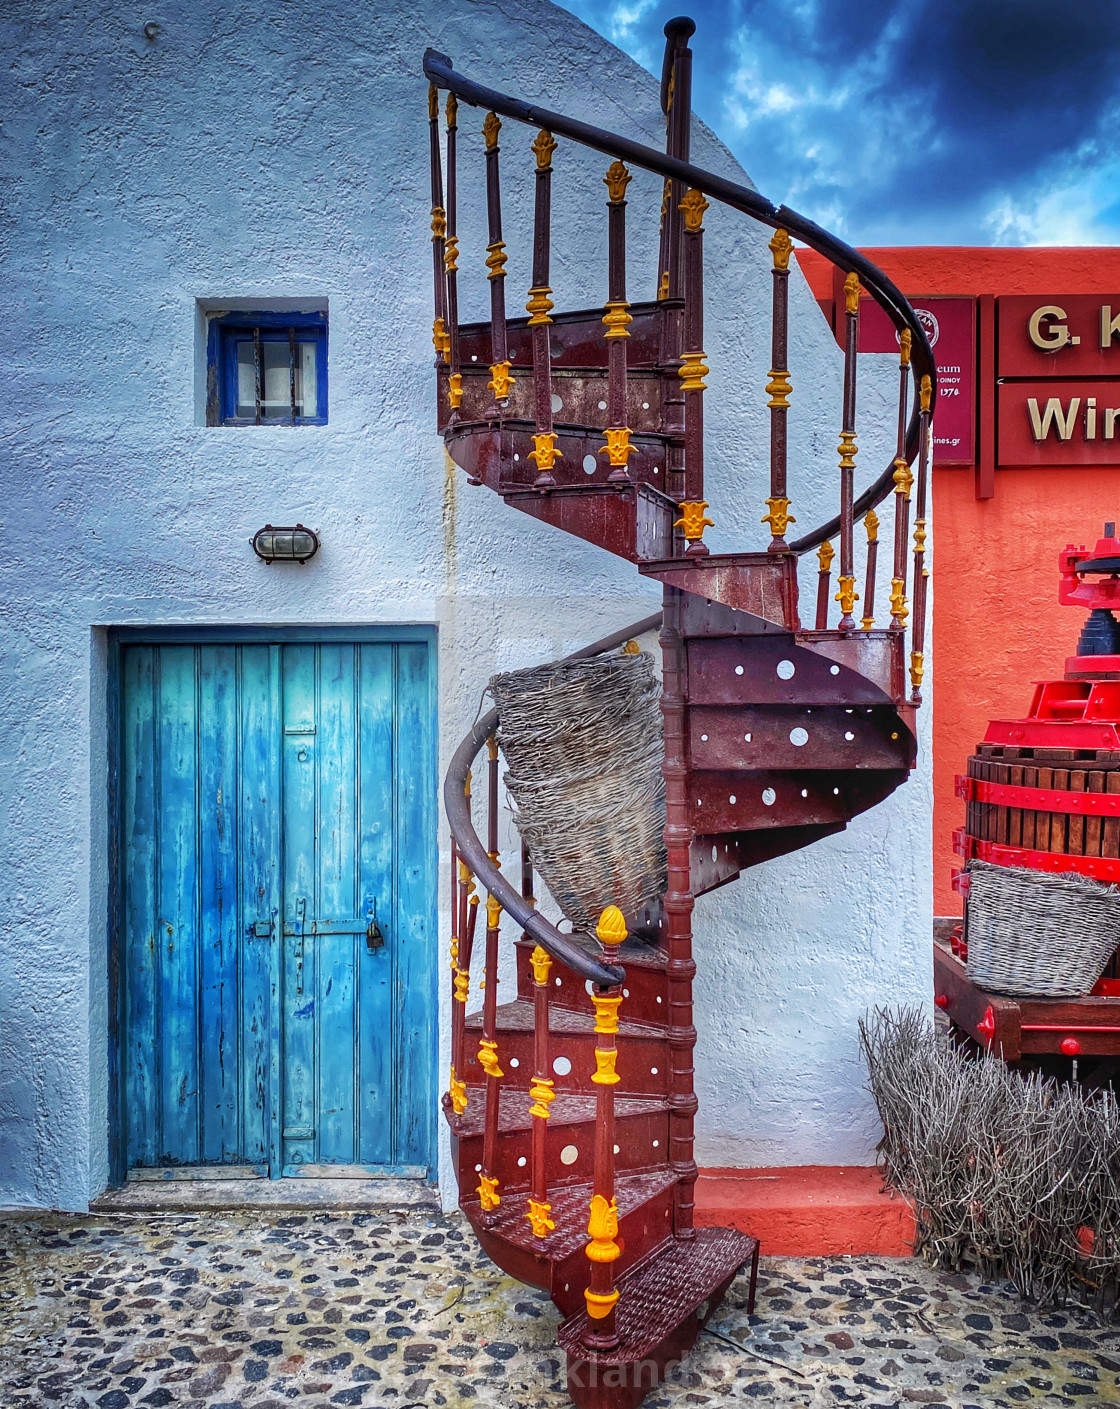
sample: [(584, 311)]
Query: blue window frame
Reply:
[(267, 369)]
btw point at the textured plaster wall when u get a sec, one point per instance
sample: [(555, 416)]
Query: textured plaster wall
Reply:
[(281, 155)]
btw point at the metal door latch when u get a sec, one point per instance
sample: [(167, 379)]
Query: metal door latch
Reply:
[(374, 937)]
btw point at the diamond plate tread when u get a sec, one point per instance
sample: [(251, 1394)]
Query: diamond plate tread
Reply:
[(659, 1293), (570, 1205), (569, 1108), (518, 1017)]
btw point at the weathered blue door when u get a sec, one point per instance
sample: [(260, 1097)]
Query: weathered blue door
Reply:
[(277, 831)]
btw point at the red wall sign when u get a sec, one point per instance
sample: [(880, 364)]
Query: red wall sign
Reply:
[(1059, 335), (1059, 422), (950, 325), (1058, 369)]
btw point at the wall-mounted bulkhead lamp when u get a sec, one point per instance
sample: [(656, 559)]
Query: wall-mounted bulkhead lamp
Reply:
[(284, 545)]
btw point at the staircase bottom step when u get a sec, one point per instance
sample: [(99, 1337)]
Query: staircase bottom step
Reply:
[(663, 1304)]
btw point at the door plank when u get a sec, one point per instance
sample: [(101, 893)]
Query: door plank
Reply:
[(378, 1015), (300, 824), (179, 903), (142, 947), (414, 946), (260, 901), (220, 930)]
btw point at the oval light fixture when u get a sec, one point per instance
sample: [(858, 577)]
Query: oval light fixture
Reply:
[(285, 545)]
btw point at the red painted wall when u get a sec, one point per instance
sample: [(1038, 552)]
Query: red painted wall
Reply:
[(997, 625)]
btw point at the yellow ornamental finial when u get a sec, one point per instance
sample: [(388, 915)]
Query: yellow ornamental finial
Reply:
[(899, 609), (488, 1057), (543, 148), (490, 129), (541, 963), (926, 393), (616, 181), (631, 649), (501, 380), (539, 305), (606, 1013), (538, 1218), (488, 1195), (847, 450), (781, 247), (779, 516), (871, 523), (544, 453), (917, 669), (452, 110), (457, 1090), (618, 448), (779, 388), (905, 338), (439, 222), (455, 390), (451, 254), (496, 259), (433, 102), (694, 205), (493, 912), (617, 318), (542, 1095), (692, 371), (602, 1229), (693, 519), (851, 293), (903, 479), (847, 596), (825, 554), (611, 928)]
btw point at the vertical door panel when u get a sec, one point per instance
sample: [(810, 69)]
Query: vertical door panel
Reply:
[(220, 929), (260, 882), (300, 895), (177, 745), (337, 902), (140, 943), (377, 1020), (415, 943)]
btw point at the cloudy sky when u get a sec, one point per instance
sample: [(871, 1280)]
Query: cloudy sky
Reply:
[(909, 121)]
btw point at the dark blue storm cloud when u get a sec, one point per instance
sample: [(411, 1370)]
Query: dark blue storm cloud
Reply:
[(909, 121)]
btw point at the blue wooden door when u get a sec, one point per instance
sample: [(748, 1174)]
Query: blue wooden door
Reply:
[(276, 973)]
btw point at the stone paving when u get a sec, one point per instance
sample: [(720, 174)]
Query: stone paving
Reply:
[(263, 1310)]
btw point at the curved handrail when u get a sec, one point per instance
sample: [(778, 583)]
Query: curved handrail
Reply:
[(439, 70), (560, 946)]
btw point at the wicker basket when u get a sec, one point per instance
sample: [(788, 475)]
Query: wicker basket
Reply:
[(583, 745), (1038, 935)]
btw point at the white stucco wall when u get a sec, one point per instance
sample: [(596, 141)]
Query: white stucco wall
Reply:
[(282, 155)]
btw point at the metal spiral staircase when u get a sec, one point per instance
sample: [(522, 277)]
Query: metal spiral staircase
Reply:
[(571, 1107)]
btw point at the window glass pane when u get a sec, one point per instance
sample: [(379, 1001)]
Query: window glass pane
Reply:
[(246, 381), (307, 385), (277, 399)]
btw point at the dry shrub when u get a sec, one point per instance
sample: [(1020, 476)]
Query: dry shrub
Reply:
[(1004, 1170)]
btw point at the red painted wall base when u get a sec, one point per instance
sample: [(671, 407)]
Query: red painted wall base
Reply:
[(808, 1210)]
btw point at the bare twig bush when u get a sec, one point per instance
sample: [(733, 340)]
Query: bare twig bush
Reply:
[(1007, 1173)]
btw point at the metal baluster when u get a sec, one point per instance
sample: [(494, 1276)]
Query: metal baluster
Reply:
[(778, 388), (903, 482), (871, 524), (488, 1060), (541, 1095), (846, 582), (488, 1044), (544, 453), (676, 103), (678, 904), (500, 379), (692, 372), (456, 1089), (617, 320), (921, 572), (602, 1225), (451, 258), (825, 554), (440, 338)]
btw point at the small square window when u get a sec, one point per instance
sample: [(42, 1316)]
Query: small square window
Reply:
[(267, 369)]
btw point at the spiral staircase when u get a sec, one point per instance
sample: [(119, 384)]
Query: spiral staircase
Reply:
[(571, 1107)]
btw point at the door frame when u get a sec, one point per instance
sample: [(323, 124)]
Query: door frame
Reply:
[(207, 634)]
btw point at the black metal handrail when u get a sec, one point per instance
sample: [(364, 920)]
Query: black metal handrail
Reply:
[(560, 946), (439, 71)]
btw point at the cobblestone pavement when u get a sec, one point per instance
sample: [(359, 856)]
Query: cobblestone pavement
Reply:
[(254, 1310)]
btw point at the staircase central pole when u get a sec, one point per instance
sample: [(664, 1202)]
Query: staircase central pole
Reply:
[(680, 968)]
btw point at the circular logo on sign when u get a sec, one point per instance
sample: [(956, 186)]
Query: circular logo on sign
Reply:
[(929, 323)]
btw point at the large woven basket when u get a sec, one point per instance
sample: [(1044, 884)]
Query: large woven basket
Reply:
[(582, 742), (1034, 934)]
